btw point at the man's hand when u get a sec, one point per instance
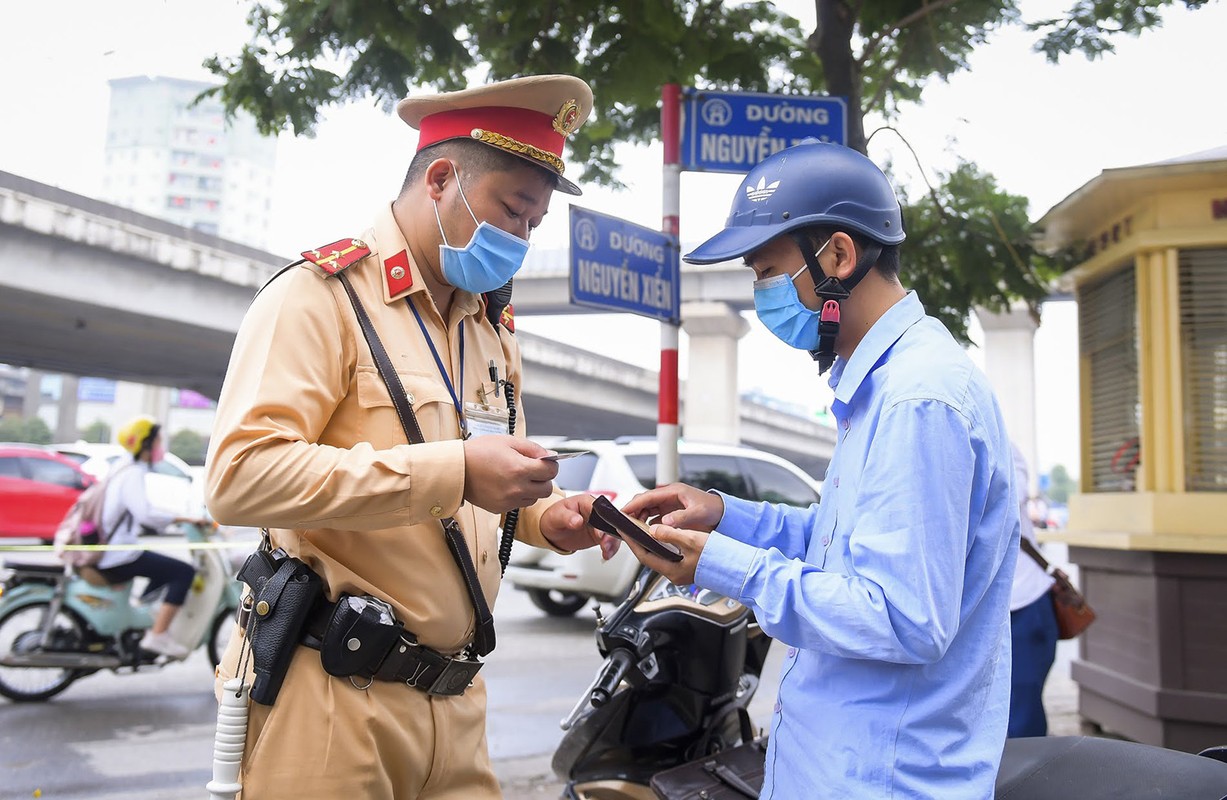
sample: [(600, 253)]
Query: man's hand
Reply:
[(565, 525), (689, 542), (506, 472), (679, 506)]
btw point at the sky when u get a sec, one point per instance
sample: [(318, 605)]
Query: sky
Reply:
[(1042, 130)]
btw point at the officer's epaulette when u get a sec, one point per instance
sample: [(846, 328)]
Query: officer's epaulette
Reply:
[(332, 258)]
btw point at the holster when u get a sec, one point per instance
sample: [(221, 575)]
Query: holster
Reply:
[(360, 632), (284, 592)]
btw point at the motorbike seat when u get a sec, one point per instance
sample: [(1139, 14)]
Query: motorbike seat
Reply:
[(36, 569), (1092, 768)]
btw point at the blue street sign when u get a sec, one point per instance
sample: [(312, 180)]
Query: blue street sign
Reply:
[(733, 131), (619, 266)]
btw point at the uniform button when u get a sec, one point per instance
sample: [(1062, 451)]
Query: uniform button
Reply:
[(836, 481), (777, 707), (792, 652), (826, 540), (847, 425), (436, 511), (485, 556)]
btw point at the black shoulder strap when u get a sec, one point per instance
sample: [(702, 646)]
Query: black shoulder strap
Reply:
[(483, 637)]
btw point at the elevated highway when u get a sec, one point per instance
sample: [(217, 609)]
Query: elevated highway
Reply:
[(89, 288)]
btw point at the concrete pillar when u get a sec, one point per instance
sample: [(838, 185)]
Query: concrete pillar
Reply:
[(33, 399), (66, 419), (712, 403), (1009, 362)]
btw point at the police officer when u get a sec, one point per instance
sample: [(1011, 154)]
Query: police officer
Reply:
[(308, 442)]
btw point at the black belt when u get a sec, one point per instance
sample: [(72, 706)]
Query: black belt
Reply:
[(407, 661)]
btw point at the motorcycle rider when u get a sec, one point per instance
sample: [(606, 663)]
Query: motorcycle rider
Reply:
[(125, 510), (893, 592)]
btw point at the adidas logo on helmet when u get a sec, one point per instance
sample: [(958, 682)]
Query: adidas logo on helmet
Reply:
[(763, 190)]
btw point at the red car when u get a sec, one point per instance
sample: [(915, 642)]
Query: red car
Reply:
[(36, 488)]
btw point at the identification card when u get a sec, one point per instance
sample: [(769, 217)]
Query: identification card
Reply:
[(485, 420)]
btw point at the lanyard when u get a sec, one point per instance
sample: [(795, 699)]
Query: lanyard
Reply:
[(464, 428)]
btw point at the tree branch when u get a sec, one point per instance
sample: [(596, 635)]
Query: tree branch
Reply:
[(876, 41)]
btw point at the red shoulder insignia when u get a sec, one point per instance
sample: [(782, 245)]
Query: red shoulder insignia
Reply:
[(332, 258), (508, 318), (396, 270)]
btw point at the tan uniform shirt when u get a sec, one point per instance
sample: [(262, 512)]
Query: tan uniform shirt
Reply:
[(307, 442)]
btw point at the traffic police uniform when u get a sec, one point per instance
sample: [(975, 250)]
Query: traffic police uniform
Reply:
[(307, 442)]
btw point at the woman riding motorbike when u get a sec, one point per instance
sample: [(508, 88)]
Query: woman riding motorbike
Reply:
[(125, 511)]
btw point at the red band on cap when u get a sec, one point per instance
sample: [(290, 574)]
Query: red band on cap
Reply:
[(522, 124)]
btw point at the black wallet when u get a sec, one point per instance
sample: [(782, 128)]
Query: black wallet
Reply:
[(606, 518)]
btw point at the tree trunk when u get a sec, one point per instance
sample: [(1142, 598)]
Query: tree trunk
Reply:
[(832, 42)]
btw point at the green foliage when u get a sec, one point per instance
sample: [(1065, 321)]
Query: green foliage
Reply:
[(307, 54), (98, 432), (190, 446), (968, 247), (19, 429), (968, 244), (1061, 485), (1090, 25)]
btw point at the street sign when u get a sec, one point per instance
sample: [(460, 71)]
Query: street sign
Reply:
[(619, 266), (733, 131)]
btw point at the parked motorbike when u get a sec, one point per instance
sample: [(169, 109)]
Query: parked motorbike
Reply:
[(682, 663), (57, 626), (681, 666)]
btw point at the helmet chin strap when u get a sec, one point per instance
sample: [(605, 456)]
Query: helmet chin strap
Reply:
[(833, 291)]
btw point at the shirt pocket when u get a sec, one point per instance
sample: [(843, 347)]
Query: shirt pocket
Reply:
[(432, 405)]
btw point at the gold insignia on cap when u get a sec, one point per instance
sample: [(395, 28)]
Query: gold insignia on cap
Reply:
[(567, 118), (516, 146)]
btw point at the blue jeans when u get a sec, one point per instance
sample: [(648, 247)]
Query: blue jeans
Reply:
[(1033, 630)]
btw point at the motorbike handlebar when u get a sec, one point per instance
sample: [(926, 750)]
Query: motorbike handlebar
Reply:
[(616, 666)]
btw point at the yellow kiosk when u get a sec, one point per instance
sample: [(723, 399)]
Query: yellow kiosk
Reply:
[(1149, 530)]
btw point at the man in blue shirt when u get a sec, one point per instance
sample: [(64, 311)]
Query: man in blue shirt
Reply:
[(893, 593)]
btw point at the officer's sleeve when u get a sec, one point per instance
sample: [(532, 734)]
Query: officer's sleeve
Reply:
[(528, 530), (290, 368)]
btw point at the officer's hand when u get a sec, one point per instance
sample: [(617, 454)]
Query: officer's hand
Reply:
[(565, 525), (678, 505), (506, 472), (689, 542)]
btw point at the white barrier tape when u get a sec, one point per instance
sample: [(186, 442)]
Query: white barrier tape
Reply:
[(50, 548)]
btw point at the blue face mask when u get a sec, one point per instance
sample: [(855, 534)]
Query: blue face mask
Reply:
[(780, 308), (487, 262)]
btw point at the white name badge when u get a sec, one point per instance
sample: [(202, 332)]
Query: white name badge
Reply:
[(485, 420)]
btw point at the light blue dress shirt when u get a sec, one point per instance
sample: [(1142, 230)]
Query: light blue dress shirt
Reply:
[(893, 593)]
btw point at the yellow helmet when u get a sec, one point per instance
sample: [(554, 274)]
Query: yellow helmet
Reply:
[(136, 432)]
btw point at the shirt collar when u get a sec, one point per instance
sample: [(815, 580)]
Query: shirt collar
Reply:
[(847, 376), (394, 252)]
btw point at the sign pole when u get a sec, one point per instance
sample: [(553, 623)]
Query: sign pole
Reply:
[(667, 420)]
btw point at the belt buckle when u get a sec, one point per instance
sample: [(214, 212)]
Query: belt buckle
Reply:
[(456, 676)]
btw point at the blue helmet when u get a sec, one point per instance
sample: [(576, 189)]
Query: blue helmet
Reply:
[(810, 183)]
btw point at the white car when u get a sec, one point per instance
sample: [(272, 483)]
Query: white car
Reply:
[(171, 485), (620, 469)]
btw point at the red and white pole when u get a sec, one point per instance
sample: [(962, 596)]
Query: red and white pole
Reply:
[(667, 429)]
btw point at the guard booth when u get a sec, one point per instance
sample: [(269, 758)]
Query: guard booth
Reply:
[(1149, 529)]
